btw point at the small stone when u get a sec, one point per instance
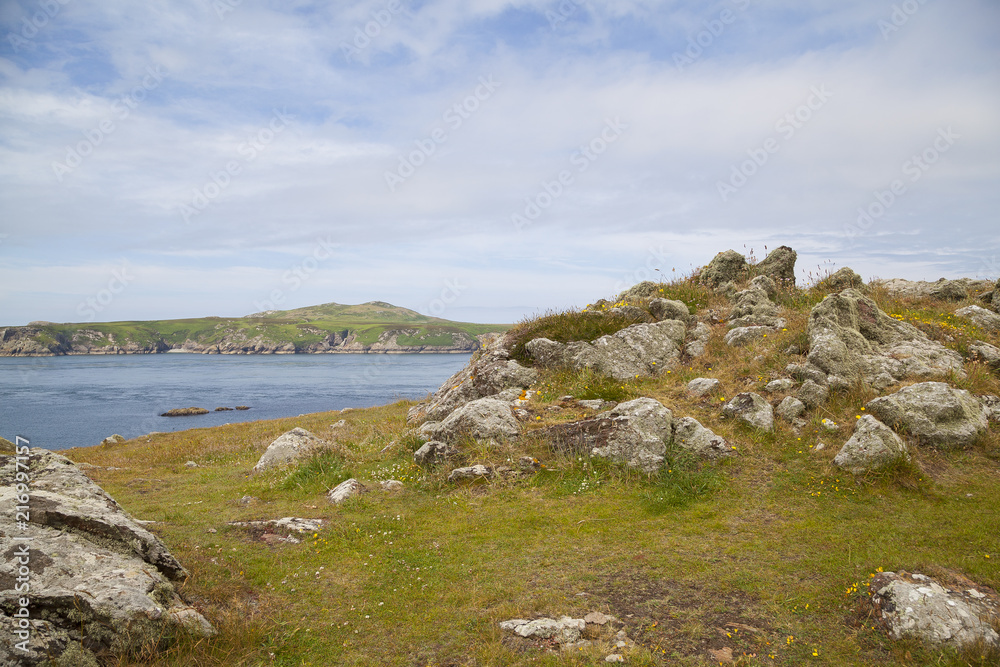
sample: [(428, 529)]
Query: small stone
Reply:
[(813, 394), (469, 473), (391, 485), (820, 446), (191, 464), (703, 386), (212, 530), (751, 408), (344, 491), (597, 618), (246, 500), (615, 657), (776, 386), (790, 408), (829, 424)]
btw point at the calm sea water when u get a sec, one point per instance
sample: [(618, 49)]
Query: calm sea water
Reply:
[(61, 402)]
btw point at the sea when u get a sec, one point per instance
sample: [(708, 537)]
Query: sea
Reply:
[(77, 401)]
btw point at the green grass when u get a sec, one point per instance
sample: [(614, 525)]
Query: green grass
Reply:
[(765, 553)]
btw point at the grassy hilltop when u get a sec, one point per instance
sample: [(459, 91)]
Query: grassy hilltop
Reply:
[(765, 553), (372, 326)]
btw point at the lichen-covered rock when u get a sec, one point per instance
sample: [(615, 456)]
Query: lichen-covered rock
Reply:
[(100, 576), (566, 630), (434, 451), (478, 471), (633, 433), (288, 448), (698, 337), (985, 353), (991, 406), (345, 491), (689, 434), (779, 386), (813, 394), (489, 372), (944, 289), (481, 419), (917, 605), (840, 280), (742, 336), (851, 339), (668, 309), (982, 318), (727, 266), (790, 408), (873, 446), (779, 265), (935, 412), (752, 409), (639, 350), (754, 307), (703, 386)]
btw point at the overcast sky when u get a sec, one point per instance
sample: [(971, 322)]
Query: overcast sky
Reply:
[(481, 160)]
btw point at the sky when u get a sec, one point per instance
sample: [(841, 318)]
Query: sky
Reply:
[(481, 160)]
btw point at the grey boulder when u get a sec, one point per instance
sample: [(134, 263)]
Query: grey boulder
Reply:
[(935, 412), (689, 434), (873, 445), (434, 451), (703, 386), (790, 408), (289, 448), (752, 409), (482, 418), (982, 318)]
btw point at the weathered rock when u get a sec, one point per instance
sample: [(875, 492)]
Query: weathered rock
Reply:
[(703, 386), (725, 267), (741, 336), (490, 371), (917, 605), (345, 491), (112, 440), (289, 448), (563, 631), (803, 372), (840, 280), (668, 309), (872, 446), (434, 451), (391, 485), (778, 386), (292, 524), (692, 436), (482, 418), (638, 350), (986, 353), (991, 406), (596, 404), (851, 339), (935, 412), (632, 313), (634, 433), (752, 409), (698, 337), (790, 408), (184, 412), (478, 471), (100, 577), (767, 284), (754, 307), (779, 265), (946, 290), (982, 318), (813, 394)]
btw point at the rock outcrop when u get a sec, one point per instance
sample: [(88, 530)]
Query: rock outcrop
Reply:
[(97, 579), (850, 340), (779, 266), (289, 448), (727, 266), (433, 452), (935, 412), (481, 419), (982, 318), (873, 446), (634, 433), (917, 605), (946, 290), (639, 350), (840, 280)]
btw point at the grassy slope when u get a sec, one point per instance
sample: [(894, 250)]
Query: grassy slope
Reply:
[(758, 553), (301, 326)]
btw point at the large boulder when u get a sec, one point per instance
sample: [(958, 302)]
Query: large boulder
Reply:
[(986, 320), (728, 266), (779, 265), (917, 605), (669, 309), (481, 419), (873, 446), (98, 579), (935, 412), (850, 339), (752, 409), (288, 448), (689, 434), (634, 433), (639, 350), (489, 372)]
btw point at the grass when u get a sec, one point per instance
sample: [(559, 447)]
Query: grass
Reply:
[(765, 553)]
